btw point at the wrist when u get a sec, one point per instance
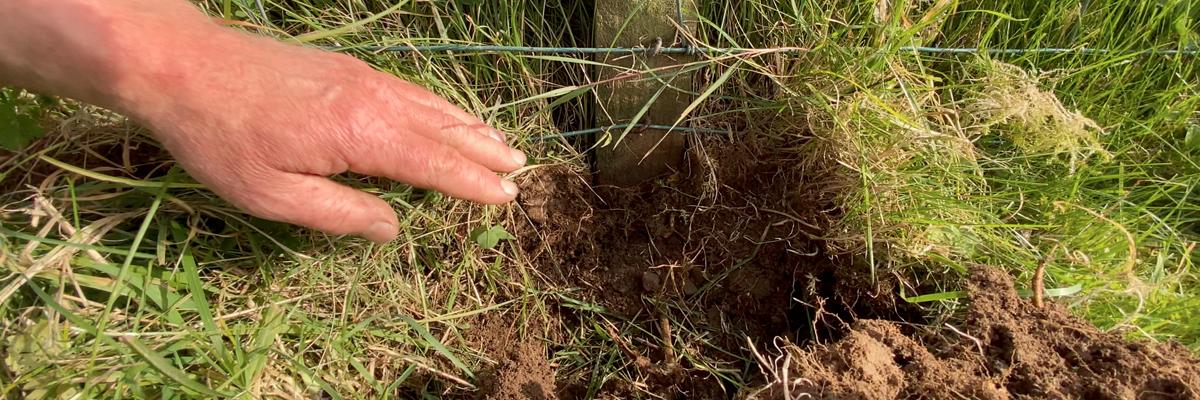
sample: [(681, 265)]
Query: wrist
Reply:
[(159, 60), (95, 51)]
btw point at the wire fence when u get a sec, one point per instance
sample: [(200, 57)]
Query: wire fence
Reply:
[(727, 51), (694, 50), (690, 49)]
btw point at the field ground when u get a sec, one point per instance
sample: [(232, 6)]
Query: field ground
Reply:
[(872, 215)]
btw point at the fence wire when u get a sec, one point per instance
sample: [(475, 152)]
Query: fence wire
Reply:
[(691, 49), (724, 51)]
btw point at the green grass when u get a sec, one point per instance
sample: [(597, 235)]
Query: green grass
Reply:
[(138, 291)]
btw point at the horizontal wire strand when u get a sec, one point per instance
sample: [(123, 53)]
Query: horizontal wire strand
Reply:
[(467, 48), (475, 48)]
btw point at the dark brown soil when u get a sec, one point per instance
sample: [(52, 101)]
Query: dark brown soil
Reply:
[(710, 267), (1004, 348), (713, 254)]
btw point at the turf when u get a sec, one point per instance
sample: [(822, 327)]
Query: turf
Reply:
[(126, 280)]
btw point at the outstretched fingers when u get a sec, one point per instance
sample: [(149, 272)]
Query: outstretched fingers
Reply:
[(322, 204), (428, 164), (474, 143), (448, 124)]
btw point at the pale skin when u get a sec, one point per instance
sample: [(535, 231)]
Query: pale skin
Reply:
[(260, 122)]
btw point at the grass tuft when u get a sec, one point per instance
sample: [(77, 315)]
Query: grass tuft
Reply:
[(123, 279)]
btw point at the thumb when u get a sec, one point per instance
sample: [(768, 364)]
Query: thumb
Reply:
[(319, 203)]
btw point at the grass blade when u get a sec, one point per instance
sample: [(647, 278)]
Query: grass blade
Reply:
[(940, 296), (348, 28), (438, 346), (113, 179), (163, 366)]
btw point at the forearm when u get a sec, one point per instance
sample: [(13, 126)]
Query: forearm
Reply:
[(106, 52), (260, 122)]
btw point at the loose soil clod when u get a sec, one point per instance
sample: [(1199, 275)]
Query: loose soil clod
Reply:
[(1028, 352), (724, 250)]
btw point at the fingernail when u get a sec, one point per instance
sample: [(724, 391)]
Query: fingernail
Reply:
[(518, 157), (381, 232), (509, 187), (496, 135)]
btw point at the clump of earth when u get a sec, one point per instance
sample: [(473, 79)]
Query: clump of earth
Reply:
[(1004, 348), (725, 258)]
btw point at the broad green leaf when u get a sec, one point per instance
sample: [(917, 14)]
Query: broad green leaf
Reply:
[(191, 274), (1192, 139), (28, 348), (148, 184), (489, 237), (940, 296), (108, 250), (17, 129), (155, 360), (1053, 292)]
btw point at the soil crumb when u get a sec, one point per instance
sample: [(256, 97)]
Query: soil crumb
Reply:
[(1004, 348), (521, 372)]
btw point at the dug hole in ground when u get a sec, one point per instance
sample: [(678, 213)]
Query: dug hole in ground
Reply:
[(774, 264), (723, 268)]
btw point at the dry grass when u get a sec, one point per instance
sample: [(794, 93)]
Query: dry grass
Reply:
[(115, 286)]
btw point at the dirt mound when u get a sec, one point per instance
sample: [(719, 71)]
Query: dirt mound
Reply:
[(695, 263), (691, 274), (523, 374), (1004, 348), (521, 371)]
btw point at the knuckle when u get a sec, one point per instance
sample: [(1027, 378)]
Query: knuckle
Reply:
[(361, 127), (482, 180), (454, 134), (442, 165), (336, 214)]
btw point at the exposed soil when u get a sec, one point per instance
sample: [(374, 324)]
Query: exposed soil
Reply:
[(521, 372), (1004, 348), (713, 254), (696, 268)]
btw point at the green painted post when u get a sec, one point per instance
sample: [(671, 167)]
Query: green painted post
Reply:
[(642, 154)]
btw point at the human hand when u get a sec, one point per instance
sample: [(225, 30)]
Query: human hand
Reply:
[(263, 124)]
